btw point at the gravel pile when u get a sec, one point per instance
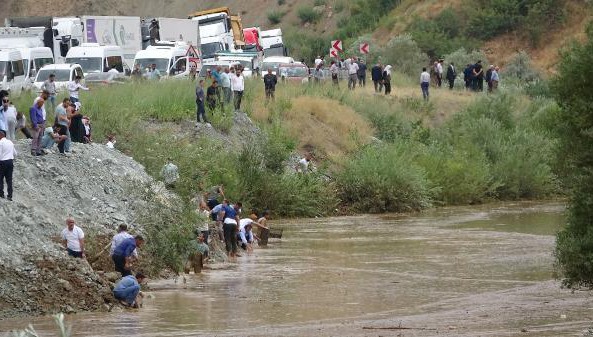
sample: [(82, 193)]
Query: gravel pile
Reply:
[(92, 185)]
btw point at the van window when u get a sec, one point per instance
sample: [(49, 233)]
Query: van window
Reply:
[(39, 63), (115, 61), (17, 68), (179, 67)]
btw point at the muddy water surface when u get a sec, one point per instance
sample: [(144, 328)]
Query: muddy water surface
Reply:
[(339, 270)]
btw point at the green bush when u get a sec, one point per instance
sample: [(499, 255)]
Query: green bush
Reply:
[(383, 178), (364, 16), (339, 6), (308, 15), (520, 69), (403, 54), (572, 90), (275, 17), (319, 2), (281, 2)]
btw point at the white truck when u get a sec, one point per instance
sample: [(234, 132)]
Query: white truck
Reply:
[(219, 31), (29, 41), (272, 43), (58, 34), (155, 30), (123, 31)]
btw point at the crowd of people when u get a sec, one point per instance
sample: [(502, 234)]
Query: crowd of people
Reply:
[(226, 84)]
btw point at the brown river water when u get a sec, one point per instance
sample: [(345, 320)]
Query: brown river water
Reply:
[(455, 271)]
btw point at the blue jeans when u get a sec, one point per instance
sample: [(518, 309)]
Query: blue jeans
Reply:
[(52, 99), (74, 100), (128, 294), (47, 142), (424, 87)]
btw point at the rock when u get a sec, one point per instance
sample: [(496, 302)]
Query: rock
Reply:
[(65, 284), (112, 276)]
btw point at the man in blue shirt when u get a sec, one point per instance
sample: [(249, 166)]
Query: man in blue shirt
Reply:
[(127, 290), (123, 254), (230, 227)]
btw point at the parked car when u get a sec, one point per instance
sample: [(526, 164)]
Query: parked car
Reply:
[(294, 72), (64, 72)]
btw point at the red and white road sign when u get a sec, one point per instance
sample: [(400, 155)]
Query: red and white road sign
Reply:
[(364, 48), (337, 45), (333, 52)]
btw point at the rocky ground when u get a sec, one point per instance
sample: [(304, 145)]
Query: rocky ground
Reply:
[(92, 185)]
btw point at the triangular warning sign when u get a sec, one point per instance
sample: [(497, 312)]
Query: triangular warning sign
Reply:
[(192, 52)]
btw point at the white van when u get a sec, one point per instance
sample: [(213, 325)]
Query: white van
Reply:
[(35, 58), (12, 71), (64, 72), (94, 58), (170, 58)]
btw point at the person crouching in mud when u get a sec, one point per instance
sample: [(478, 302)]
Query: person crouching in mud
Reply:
[(127, 290)]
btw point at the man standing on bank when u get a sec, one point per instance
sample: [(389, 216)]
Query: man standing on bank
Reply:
[(7, 154), (73, 239), (451, 75)]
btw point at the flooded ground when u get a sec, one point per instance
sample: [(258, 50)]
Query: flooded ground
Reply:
[(473, 271)]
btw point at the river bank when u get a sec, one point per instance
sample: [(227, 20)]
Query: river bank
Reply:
[(453, 271)]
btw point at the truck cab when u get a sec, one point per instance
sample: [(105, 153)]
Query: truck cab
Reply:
[(12, 71), (94, 58), (252, 39), (272, 43), (171, 59)]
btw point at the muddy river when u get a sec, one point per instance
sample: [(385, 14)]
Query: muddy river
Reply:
[(459, 271)]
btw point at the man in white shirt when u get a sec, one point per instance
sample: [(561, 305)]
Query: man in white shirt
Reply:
[(238, 86), (303, 164), (245, 235), (8, 118), (7, 154), (352, 74), (439, 71), (318, 61), (113, 70), (74, 88), (73, 239), (424, 83)]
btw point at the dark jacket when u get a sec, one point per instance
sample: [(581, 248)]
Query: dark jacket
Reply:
[(468, 73), (377, 73), (451, 72), (488, 75), (362, 69), (270, 81)]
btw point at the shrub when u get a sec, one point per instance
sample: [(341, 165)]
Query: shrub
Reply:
[(461, 57), (572, 90), (519, 68), (383, 178), (308, 14), (319, 2), (403, 53), (339, 6), (281, 2), (275, 17)]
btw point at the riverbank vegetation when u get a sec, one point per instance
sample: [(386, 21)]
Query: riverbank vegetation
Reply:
[(572, 89)]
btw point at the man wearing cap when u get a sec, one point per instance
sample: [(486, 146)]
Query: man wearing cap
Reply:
[(74, 88), (127, 290), (7, 154)]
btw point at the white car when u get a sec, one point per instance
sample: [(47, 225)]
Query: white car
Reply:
[(64, 72)]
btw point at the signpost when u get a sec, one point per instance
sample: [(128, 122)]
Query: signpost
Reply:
[(364, 48), (337, 45), (333, 52)]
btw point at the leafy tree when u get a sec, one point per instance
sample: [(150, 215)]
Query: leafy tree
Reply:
[(573, 89)]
